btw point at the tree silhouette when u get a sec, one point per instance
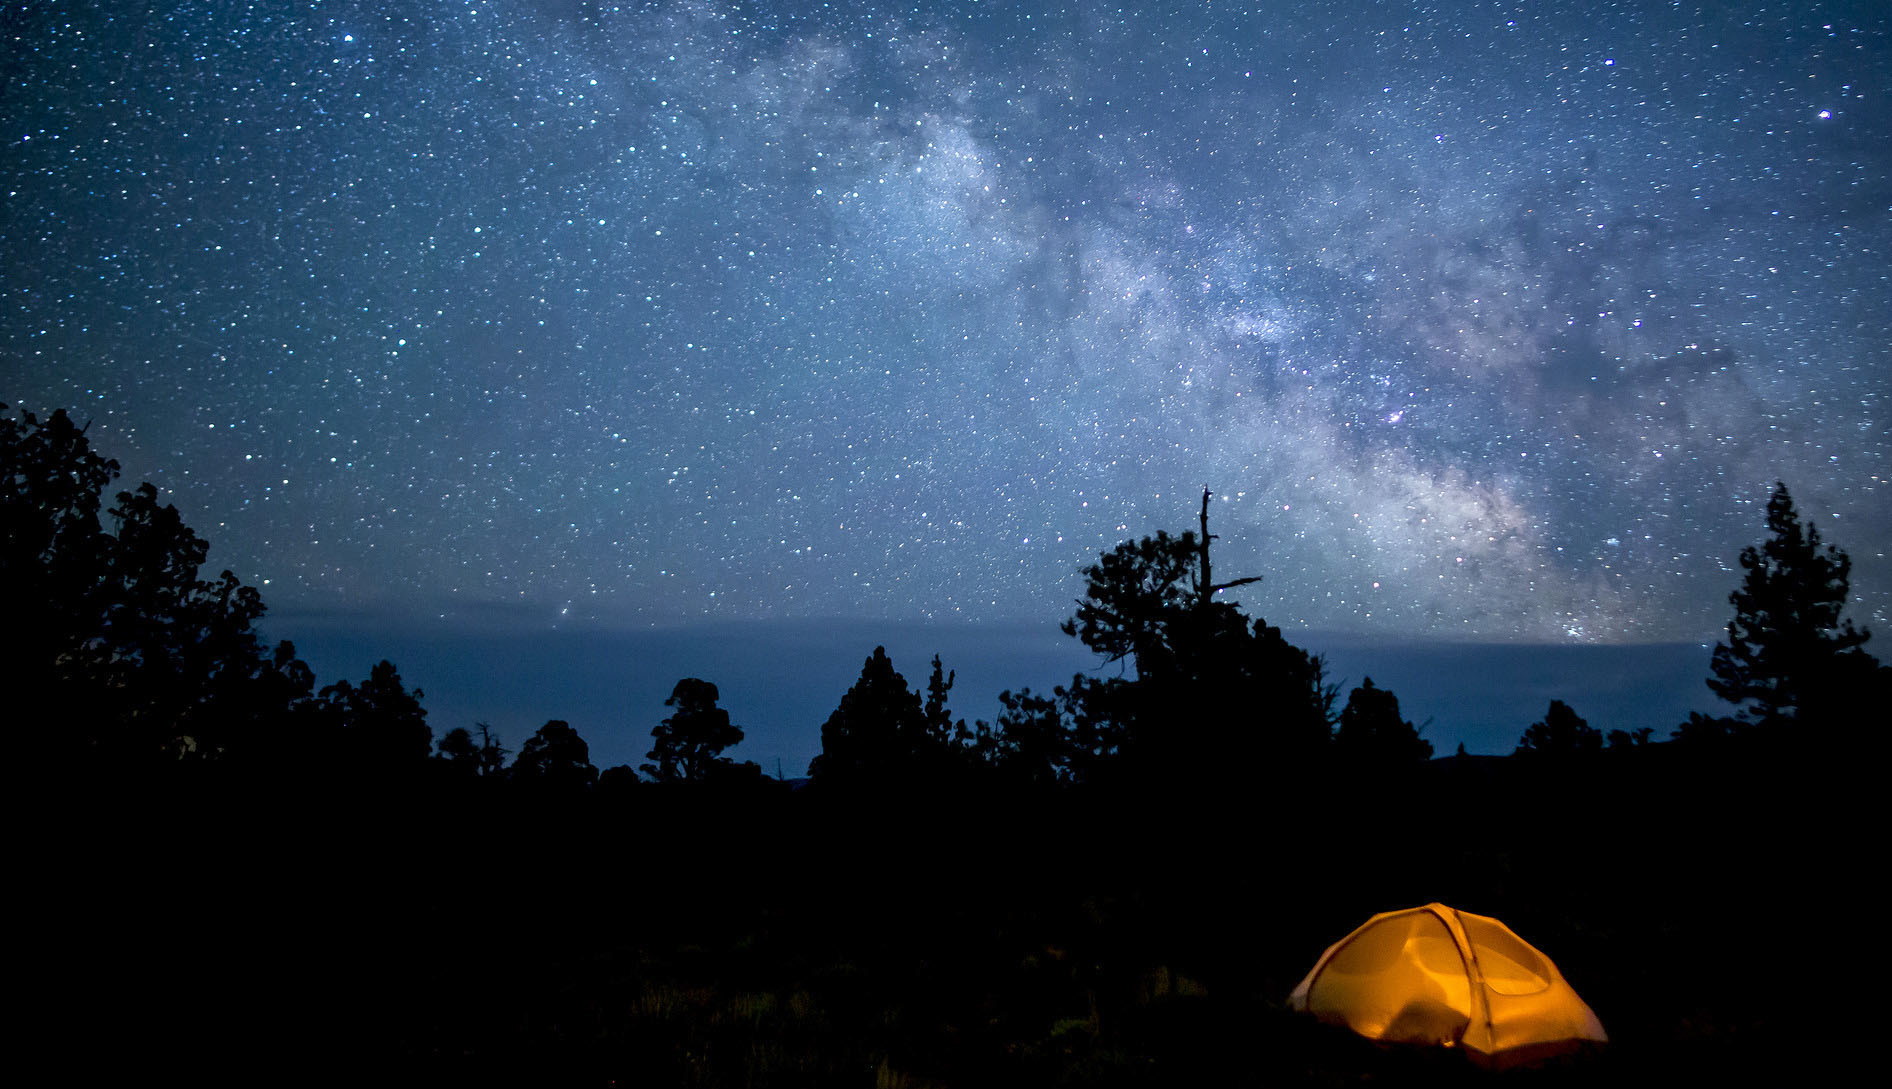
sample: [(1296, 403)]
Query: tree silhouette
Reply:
[(151, 656), (1133, 595), (458, 752), (1561, 733), (185, 649), (1035, 741), (116, 639), (619, 781), (688, 746), (1706, 730), (1373, 733), (1073, 735), (1788, 646), (941, 731), (378, 727), (1213, 690), (492, 758), (556, 759), (1630, 739), (52, 549), (260, 713), (1153, 600), (879, 729), (1282, 689)]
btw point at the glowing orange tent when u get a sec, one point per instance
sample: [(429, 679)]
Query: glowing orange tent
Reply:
[(1437, 975)]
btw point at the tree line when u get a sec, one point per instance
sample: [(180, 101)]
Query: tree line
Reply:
[(128, 658)]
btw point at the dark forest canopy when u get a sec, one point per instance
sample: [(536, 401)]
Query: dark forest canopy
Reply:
[(143, 661)]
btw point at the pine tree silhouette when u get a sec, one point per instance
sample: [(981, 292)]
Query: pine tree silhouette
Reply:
[(1787, 644)]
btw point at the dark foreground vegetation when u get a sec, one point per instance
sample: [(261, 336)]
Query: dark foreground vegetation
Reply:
[(231, 875)]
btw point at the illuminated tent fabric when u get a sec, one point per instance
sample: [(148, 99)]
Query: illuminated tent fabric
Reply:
[(1436, 975)]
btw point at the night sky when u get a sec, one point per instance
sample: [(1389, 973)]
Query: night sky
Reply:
[(1488, 322)]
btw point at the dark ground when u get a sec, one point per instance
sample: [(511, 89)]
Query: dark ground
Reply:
[(207, 933)]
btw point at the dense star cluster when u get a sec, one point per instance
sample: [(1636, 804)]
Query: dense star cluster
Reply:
[(1491, 320)]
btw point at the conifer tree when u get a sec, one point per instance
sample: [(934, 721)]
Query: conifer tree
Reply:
[(879, 729), (1787, 644)]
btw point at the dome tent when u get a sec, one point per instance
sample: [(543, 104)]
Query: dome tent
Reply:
[(1437, 975)]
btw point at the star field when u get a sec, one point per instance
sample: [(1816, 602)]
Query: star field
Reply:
[(1485, 320)]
